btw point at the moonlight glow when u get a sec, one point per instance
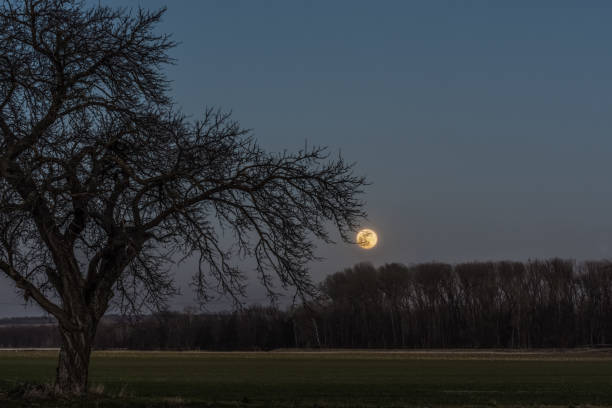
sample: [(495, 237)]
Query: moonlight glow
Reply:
[(367, 239)]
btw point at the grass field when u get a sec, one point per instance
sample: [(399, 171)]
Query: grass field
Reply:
[(328, 379)]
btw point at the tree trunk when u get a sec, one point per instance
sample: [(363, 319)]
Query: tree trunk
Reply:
[(73, 365)]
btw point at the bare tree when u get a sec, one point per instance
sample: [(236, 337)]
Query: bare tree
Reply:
[(102, 183)]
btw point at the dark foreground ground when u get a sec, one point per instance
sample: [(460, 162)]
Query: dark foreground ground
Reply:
[(323, 379)]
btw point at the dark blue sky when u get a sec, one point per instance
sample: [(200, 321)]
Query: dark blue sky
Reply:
[(484, 129)]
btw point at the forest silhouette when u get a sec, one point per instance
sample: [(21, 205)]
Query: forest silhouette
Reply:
[(540, 303)]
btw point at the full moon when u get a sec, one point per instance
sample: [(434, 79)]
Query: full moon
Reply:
[(367, 239)]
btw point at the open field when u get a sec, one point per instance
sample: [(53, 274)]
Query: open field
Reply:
[(329, 379)]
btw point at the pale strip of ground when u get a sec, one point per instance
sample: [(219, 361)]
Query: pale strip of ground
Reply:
[(583, 354)]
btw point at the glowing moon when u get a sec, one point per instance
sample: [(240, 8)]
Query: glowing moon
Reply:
[(367, 239)]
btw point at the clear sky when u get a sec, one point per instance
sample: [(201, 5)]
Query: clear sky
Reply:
[(484, 128)]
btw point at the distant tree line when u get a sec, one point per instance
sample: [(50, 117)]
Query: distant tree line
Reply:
[(549, 303), (540, 303)]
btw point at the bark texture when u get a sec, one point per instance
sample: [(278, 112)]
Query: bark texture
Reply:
[(73, 365)]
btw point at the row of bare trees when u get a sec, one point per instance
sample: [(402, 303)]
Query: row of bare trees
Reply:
[(254, 328), (549, 303)]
